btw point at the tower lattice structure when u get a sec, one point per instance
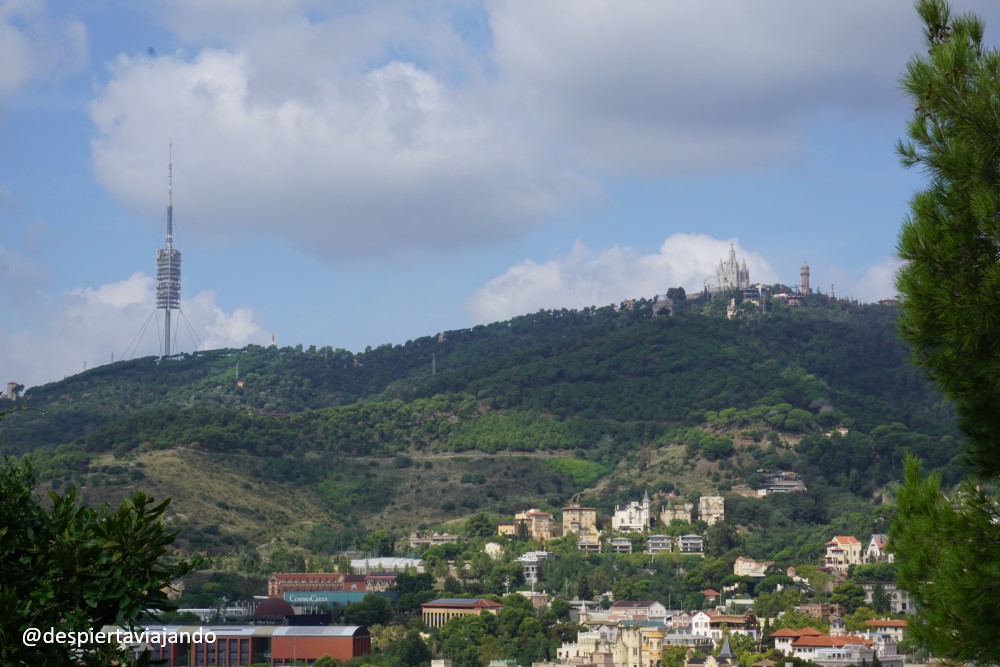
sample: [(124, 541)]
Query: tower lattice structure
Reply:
[(168, 267)]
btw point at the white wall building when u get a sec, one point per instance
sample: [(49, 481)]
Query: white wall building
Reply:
[(634, 517)]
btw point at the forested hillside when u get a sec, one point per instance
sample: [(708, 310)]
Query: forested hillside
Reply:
[(612, 400)]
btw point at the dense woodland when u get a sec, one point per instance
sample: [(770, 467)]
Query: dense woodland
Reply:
[(611, 401), (277, 458)]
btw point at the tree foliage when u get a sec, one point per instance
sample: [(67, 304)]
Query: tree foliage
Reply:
[(948, 559), (951, 241), (946, 547), (73, 568)]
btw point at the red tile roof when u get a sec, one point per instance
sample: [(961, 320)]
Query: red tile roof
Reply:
[(312, 576), (825, 641), (786, 632), (804, 632), (887, 623)]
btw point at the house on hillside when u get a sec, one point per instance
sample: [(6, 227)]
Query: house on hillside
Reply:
[(715, 625), (821, 610), (582, 522), (692, 545), (633, 517), (659, 543), (748, 567), (725, 658), (895, 628), (877, 550), (784, 637), (712, 509), (720, 624), (843, 651), (675, 509), (900, 601), (537, 523), (637, 610), (782, 482), (842, 552), (621, 545), (531, 564)]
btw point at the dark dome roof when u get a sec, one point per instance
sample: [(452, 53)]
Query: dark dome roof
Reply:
[(274, 607)]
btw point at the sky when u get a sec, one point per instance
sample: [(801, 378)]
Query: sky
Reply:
[(359, 173)]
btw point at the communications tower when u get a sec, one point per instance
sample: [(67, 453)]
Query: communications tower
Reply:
[(168, 265)]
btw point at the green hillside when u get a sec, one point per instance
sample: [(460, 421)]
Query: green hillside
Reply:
[(533, 411)]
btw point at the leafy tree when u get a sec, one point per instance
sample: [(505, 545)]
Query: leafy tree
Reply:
[(848, 594), (856, 622), (467, 639), (949, 282), (881, 600), (410, 651), (770, 605), (372, 610), (480, 525), (379, 543), (674, 655), (411, 582), (73, 568)]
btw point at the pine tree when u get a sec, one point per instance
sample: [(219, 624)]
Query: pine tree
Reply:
[(951, 243), (948, 556), (948, 548)]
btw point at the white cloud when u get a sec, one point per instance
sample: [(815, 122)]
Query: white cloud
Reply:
[(36, 45), (369, 130), (585, 278), (393, 162), (318, 130), (681, 87), (879, 282), (85, 327)]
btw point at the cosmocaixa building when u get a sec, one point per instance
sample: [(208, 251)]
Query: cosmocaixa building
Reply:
[(231, 645)]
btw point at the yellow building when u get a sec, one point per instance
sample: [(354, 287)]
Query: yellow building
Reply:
[(582, 522), (438, 612), (508, 529), (639, 644), (538, 523), (843, 551)]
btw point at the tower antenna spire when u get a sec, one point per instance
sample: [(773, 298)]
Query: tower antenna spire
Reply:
[(170, 197)]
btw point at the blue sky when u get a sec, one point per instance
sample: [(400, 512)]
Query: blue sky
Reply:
[(353, 174)]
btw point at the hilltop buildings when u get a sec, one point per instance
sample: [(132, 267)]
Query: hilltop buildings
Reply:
[(731, 274)]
